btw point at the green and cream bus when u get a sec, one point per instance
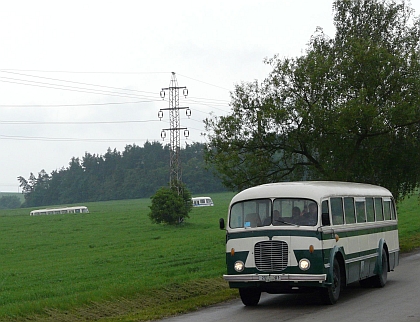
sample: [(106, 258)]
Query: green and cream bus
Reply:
[(302, 236)]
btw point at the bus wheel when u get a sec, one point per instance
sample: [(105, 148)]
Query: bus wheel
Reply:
[(380, 279), (250, 296), (332, 292)]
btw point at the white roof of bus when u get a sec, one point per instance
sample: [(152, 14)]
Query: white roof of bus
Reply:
[(315, 190)]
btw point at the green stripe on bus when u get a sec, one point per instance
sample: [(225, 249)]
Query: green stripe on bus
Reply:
[(351, 232)]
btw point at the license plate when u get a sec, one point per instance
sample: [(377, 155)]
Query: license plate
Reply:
[(269, 278)]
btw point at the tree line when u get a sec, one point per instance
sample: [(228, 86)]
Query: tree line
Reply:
[(137, 172)]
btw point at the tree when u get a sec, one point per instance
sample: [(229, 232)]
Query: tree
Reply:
[(348, 109), (35, 189), (9, 202), (170, 207)]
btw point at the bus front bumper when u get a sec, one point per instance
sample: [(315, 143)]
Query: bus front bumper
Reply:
[(276, 278)]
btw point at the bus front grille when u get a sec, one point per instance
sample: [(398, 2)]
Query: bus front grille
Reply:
[(271, 255)]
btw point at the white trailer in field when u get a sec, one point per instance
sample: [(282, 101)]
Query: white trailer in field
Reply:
[(57, 211), (202, 201)]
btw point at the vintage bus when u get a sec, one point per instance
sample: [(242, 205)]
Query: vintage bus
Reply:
[(57, 211), (305, 236), (202, 201)]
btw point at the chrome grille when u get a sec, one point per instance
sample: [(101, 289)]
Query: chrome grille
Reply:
[(271, 255)]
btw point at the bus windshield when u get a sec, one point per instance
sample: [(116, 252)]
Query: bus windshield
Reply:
[(276, 212)]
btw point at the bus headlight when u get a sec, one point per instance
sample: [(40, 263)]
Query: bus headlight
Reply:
[(304, 264), (239, 266)]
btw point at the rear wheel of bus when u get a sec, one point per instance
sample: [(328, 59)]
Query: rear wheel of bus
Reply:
[(250, 296), (380, 279)]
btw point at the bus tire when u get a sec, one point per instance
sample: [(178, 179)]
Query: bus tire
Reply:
[(331, 294), (380, 279), (250, 296)]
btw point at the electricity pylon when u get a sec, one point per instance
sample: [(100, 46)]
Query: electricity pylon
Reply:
[(175, 177)]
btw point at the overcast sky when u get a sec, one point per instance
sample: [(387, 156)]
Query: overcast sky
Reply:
[(85, 76)]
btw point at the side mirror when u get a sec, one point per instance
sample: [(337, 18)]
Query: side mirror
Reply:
[(325, 218), (221, 223)]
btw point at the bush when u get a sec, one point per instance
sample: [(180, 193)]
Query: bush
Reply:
[(170, 207)]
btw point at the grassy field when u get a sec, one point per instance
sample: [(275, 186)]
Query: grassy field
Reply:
[(114, 264), (409, 223)]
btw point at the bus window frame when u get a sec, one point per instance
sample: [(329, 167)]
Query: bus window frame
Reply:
[(333, 212), (360, 206), (346, 216)]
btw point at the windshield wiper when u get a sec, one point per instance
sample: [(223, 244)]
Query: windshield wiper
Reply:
[(285, 222)]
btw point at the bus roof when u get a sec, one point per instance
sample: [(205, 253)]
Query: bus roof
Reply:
[(315, 190), (58, 209)]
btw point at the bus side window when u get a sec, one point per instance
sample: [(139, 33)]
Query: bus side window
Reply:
[(370, 210), (337, 211), (360, 211), (393, 211), (349, 210), (325, 213), (387, 209), (378, 209)]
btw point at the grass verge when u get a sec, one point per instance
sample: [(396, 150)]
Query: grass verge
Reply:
[(151, 305)]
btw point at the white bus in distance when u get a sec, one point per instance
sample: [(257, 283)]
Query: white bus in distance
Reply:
[(58, 211), (202, 201), (303, 236)]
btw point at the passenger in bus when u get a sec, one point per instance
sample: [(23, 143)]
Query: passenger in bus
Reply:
[(311, 217), (296, 215), (276, 218), (267, 221)]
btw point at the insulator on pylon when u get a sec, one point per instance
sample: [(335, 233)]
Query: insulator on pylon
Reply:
[(185, 92), (160, 114), (162, 94), (186, 133), (188, 112), (163, 134)]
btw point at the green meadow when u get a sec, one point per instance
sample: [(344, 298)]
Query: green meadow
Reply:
[(113, 264)]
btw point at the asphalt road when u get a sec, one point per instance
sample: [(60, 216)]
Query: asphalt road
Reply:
[(398, 301)]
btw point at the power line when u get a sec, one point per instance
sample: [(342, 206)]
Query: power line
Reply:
[(211, 100), (206, 102), (71, 88), (204, 82), (85, 122), (202, 101), (75, 105), (43, 138), (199, 101), (80, 83), (73, 123), (13, 71), (80, 72)]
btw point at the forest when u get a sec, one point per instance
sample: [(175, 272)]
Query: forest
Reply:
[(136, 172)]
